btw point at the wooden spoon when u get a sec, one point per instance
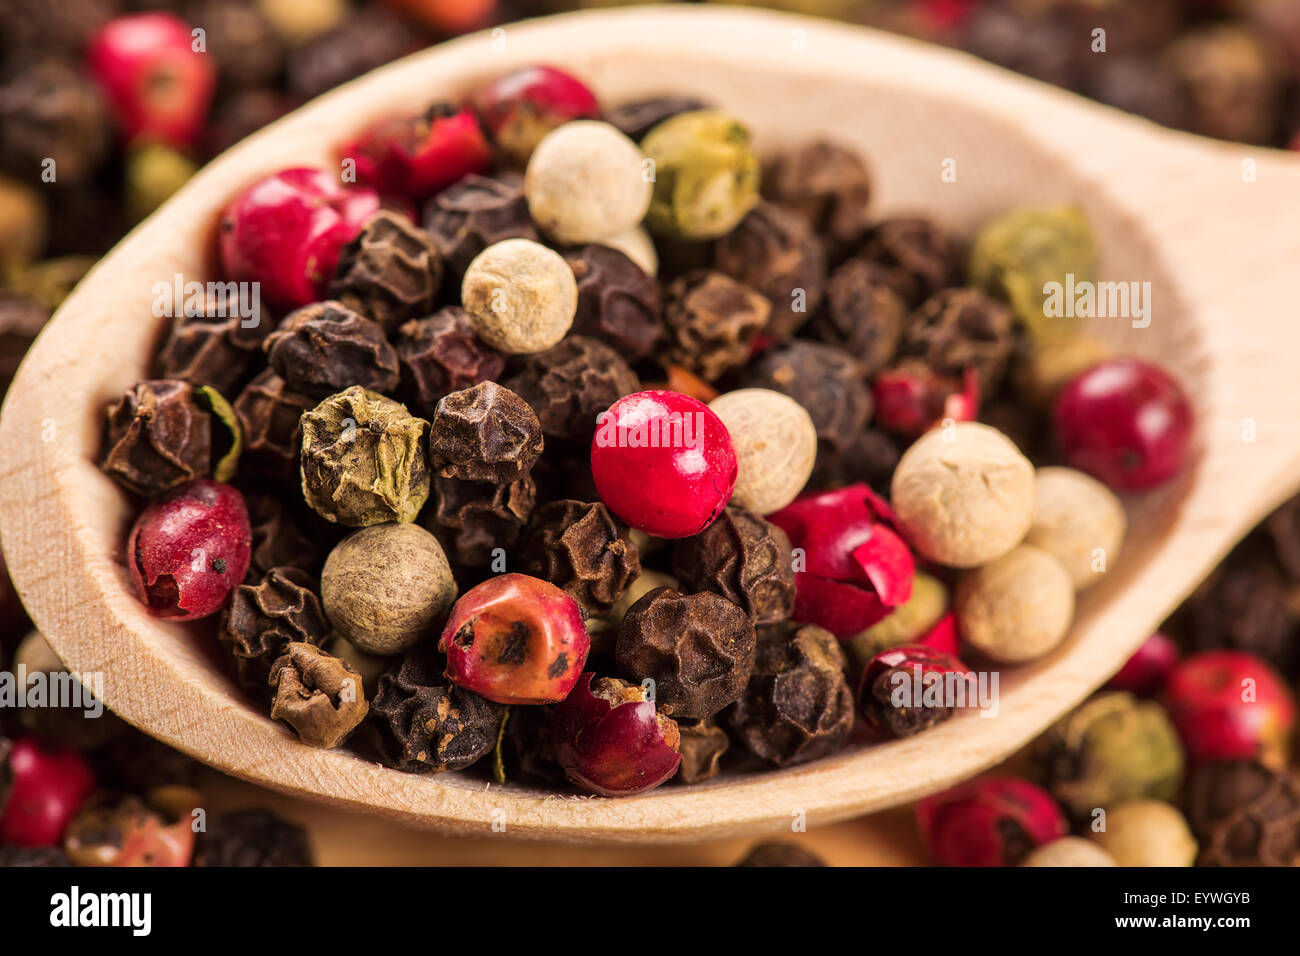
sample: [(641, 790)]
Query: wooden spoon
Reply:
[(1220, 248)]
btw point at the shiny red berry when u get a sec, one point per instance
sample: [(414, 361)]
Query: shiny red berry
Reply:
[(47, 786), (1147, 670), (416, 156), (1127, 422), (663, 462), (286, 231), (520, 108), (189, 550), (611, 740), (994, 821), (851, 567), (907, 689), (158, 85), (516, 639), (1230, 705)]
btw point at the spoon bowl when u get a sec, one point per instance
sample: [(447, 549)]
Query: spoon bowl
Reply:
[(1210, 226)]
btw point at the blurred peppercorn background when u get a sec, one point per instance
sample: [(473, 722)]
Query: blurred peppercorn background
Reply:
[(82, 161)]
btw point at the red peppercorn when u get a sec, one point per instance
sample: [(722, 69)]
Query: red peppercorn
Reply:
[(516, 639), (1147, 670), (520, 108), (189, 550), (910, 398), (663, 462), (905, 690), (416, 156), (286, 231), (611, 740), (1229, 705), (1127, 422), (855, 568), (448, 16), (943, 636), (994, 821), (158, 85), (48, 785)]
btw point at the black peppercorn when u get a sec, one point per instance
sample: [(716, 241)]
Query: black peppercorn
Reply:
[(241, 41), (697, 648), (284, 535), (423, 724), (252, 838), (571, 383), (263, 619), (21, 320), (636, 118), (1231, 81), (702, 744), (27, 856), (798, 705), (215, 346), (959, 329), (1244, 814), (441, 354), (472, 519), (484, 433), (157, 437), (919, 257), (617, 301), (474, 213), (828, 184), (317, 694), (712, 321), (50, 111), (743, 558), (780, 854), (775, 252), (238, 114), (863, 314), (576, 545), (390, 272), (1244, 607), (367, 38), (269, 413), (1282, 529), (1042, 47), (326, 347)]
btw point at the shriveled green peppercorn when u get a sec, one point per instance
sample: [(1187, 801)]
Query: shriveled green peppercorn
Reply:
[(706, 175)]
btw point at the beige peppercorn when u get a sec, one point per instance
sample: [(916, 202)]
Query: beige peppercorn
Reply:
[(637, 245), (1039, 376), (387, 586), (317, 694), (1016, 608), (1079, 520), (521, 296), (585, 182), (776, 444), (964, 493), (1147, 833), (1068, 851)]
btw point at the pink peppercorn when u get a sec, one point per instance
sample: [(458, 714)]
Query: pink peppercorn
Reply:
[(1230, 705), (189, 550), (520, 108), (663, 462), (994, 821), (286, 231), (48, 786), (416, 156), (1147, 670)]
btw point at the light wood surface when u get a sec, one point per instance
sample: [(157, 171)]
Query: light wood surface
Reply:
[(1222, 256)]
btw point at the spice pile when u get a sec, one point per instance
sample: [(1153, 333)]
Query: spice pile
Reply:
[(588, 472)]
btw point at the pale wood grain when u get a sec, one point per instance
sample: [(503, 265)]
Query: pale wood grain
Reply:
[(1222, 256)]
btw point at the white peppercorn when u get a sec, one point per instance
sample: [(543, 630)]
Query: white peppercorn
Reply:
[(520, 296), (1079, 520), (776, 445), (1016, 608)]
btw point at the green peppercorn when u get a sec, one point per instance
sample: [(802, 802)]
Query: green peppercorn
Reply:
[(706, 175)]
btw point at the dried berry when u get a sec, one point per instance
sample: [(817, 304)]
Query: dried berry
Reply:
[(827, 382), (416, 156), (325, 347), (743, 558), (242, 42), (521, 107), (424, 724), (617, 301), (1245, 608), (637, 117), (706, 175), (1245, 814), (389, 273), (269, 414), (317, 694), (912, 688), (474, 519), (1146, 833), (516, 639), (1018, 607), (571, 383), (1145, 673), (474, 213), (253, 837), (217, 343), (362, 40), (798, 705), (157, 437), (265, 618), (363, 459), (828, 183), (189, 549), (484, 433), (995, 821), (780, 854), (156, 831), (776, 253), (702, 746), (282, 535), (712, 321), (919, 257), (1076, 519), (520, 295), (577, 546), (441, 354), (959, 329), (610, 739), (1231, 79), (863, 314), (50, 111), (776, 444), (910, 623), (386, 587)]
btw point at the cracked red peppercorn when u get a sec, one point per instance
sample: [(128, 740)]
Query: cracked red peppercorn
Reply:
[(521, 107), (995, 821), (904, 690), (515, 639), (415, 156)]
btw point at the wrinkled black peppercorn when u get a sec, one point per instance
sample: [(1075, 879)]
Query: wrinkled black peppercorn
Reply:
[(617, 301), (216, 346), (441, 354), (367, 38), (712, 321), (919, 257), (1245, 608), (474, 213), (863, 314), (252, 838), (284, 535), (828, 184), (745, 559), (472, 519), (702, 744), (269, 413), (571, 383), (390, 272), (577, 545), (484, 433), (1244, 814), (263, 619), (157, 437), (325, 347), (959, 329)]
